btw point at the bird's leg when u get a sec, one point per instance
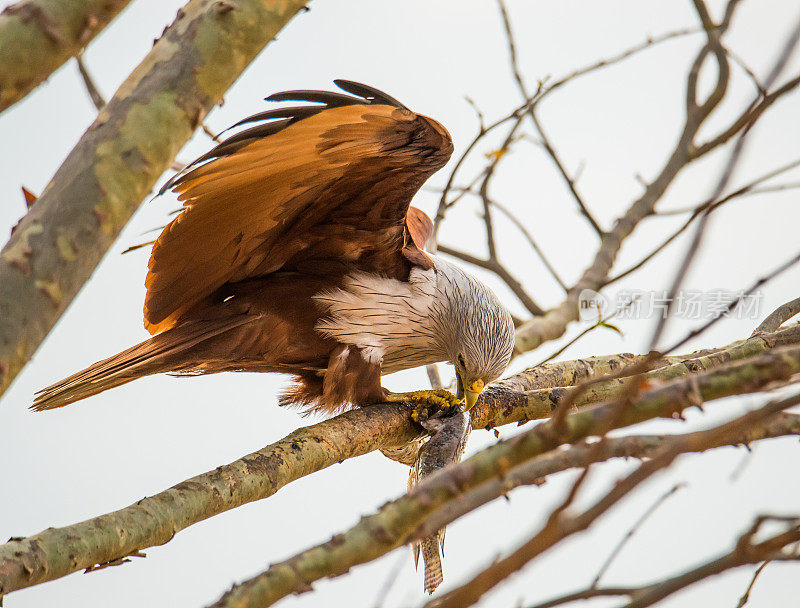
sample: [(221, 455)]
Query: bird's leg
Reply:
[(432, 403)]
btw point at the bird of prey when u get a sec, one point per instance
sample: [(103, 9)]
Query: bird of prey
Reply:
[(297, 252)]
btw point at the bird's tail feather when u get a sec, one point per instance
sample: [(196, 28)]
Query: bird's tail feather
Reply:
[(433, 563), (161, 353)]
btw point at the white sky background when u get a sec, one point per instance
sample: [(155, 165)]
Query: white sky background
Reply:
[(71, 464)]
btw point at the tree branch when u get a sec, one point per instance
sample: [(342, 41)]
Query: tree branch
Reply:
[(156, 519), (516, 399), (744, 552), (779, 316), (38, 36), (403, 519), (56, 246), (554, 323), (563, 524)]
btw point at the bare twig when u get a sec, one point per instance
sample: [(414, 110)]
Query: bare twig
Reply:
[(746, 595), (523, 229), (744, 552), (601, 322), (735, 302), (391, 579), (748, 189), (544, 140), (629, 534), (94, 94), (546, 89), (779, 316)]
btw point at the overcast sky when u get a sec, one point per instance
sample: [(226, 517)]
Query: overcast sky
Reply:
[(71, 464)]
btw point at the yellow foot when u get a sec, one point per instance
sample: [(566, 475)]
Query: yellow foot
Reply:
[(428, 404)]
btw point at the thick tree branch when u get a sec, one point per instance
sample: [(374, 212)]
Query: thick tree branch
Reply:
[(38, 36), (155, 520), (518, 398), (402, 520), (562, 524), (582, 455), (56, 246)]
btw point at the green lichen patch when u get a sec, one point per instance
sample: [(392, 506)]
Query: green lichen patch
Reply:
[(18, 254)]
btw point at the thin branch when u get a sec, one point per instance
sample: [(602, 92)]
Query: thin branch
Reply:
[(632, 530), (715, 46), (746, 595), (735, 302), (524, 230), (744, 552), (570, 181), (601, 322), (587, 594), (710, 205), (779, 316), (36, 39), (94, 93), (762, 91), (747, 119), (391, 579), (545, 90), (544, 140)]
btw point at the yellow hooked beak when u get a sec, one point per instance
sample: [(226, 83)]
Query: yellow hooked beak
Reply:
[(471, 394)]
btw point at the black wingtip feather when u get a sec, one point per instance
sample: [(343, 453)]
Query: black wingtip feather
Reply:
[(281, 118), (367, 92), (295, 113), (330, 99)]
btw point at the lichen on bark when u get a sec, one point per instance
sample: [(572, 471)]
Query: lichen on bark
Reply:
[(57, 245)]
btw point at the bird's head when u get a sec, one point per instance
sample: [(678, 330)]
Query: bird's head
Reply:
[(481, 335), (479, 363)]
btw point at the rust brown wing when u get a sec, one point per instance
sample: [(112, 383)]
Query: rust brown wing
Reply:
[(314, 187)]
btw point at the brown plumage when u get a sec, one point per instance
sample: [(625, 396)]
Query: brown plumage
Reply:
[(271, 217), (296, 251)]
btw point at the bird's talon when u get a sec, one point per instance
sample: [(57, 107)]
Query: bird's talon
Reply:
[(429, 404)]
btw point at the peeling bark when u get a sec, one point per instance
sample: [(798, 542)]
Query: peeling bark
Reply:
[(56, 246)]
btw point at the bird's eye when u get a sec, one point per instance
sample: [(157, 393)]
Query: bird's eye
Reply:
[(461, 361)]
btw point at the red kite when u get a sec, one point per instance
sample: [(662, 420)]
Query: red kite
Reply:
[(296, 251)]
